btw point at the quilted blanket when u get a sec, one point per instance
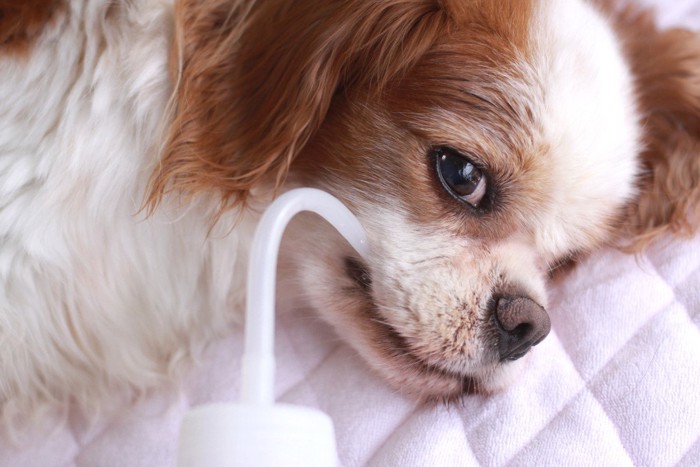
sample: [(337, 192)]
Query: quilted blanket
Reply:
[(617, 382)]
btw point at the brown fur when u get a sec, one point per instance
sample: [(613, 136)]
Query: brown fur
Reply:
[(255, 86), (380, 140), (22, 21), (666, 65), (507, 20)]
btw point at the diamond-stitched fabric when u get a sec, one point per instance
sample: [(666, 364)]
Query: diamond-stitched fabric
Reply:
[(617, 382)]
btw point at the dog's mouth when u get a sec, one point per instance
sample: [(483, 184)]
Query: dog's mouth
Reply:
[(407, 370), (357, 271)]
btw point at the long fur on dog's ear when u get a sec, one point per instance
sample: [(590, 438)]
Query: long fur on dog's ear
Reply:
[(666, 65), (252, 87)]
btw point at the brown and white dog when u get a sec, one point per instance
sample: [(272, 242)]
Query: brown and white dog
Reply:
[(481, 143)]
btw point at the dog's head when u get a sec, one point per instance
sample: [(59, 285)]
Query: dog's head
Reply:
[(480, 143)]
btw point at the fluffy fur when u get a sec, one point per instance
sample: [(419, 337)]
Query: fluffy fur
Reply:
[(139, 140)]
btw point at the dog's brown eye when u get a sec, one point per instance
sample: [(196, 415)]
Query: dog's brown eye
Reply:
[(460, 177)]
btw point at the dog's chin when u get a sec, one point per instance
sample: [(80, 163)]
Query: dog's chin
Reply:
[(389, 354)]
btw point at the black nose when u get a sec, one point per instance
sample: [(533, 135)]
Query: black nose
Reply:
[(520, 323)]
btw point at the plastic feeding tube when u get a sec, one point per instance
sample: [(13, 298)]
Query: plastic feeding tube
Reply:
[(256, 431), (258, 361)]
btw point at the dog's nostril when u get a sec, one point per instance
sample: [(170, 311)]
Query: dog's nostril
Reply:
[(522, 329), (520, 323)]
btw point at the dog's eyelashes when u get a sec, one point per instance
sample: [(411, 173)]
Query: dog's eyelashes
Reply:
[(460, 176)]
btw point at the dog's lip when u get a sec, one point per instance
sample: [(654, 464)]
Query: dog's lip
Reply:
[(402, 353), (359, 273), (394, 347)]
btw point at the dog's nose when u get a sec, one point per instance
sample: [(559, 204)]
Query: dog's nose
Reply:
[(520, 323)]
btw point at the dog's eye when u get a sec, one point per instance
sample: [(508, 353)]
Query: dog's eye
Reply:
[(460, 176)]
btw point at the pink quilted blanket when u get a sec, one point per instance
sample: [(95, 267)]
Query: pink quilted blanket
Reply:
[(617, 382)]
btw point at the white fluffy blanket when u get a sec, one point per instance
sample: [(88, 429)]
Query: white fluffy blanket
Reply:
[(617, 382)]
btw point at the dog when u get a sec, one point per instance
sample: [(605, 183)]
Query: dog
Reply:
[(482, 144)]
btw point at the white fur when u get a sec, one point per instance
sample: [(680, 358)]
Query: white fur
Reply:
[(590, 124), (94, 295)]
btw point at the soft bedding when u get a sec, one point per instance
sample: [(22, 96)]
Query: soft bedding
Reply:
[(617, 382)]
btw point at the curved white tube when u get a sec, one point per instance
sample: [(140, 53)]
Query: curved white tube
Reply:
[(258, 359)]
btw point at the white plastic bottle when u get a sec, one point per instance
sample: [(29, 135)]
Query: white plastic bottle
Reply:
[(256, 431)]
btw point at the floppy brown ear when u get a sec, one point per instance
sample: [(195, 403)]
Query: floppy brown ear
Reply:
[(666, 65), (252, 87)]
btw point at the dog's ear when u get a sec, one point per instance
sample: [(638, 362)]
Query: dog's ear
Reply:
[(252, 87), (666, 66)]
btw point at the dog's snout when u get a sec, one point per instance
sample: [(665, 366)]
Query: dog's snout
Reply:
[(520, 323)]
